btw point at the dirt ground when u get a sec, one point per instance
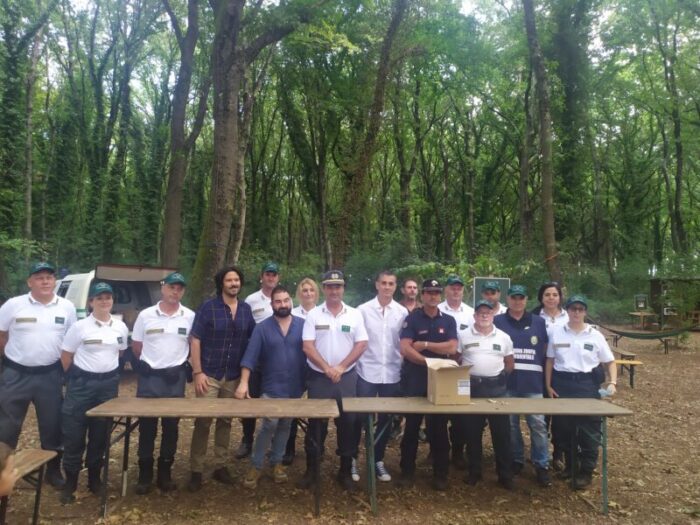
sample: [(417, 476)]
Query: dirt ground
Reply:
[(653, 466)]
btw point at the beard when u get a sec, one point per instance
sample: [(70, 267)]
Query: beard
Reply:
[(282, 312)]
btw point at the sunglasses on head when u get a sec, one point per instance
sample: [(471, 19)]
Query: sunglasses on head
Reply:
[(550, 283)]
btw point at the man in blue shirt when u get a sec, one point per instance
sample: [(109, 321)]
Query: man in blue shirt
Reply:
[(426, 332), (220, 333), (529, 335), (276, 350)]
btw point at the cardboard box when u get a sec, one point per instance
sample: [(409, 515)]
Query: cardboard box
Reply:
[(448, 382)]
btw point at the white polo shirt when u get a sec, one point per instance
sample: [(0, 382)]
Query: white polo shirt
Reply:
[(464, 315), (261, 305), (381, 361), (334, 336), (165, 337), (300, 312), (501, 309), (35, 330), (96, 345), (578, 352), (485, 353), (559, 320)]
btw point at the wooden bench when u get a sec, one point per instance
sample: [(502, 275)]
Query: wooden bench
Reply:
[(30, 464), (627, 360)]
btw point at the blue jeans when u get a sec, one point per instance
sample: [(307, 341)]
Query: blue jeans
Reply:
[(275, 431), (539, 446)]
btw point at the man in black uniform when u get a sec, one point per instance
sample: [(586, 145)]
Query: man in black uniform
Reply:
[(427, 332)]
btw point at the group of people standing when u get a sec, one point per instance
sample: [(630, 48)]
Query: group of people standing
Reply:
[(265, 347)]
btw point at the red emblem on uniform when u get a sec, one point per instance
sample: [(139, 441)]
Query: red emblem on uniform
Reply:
[(441, 330)]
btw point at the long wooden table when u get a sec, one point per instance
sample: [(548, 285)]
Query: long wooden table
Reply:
[(371, 406), (129, 408)]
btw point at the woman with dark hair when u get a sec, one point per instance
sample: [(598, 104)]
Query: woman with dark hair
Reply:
[(551, 299)]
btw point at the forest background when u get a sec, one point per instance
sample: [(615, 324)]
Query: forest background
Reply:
[(536, 139)]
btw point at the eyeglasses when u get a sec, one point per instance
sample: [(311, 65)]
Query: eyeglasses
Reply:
[(576, 309)]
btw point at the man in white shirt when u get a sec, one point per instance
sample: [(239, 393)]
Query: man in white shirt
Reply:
[(32, 327), (379, 367), (464, 317), (334, 339), (261, 304), (161, 343)]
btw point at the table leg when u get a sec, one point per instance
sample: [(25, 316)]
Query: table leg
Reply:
[(3, 509), (605, 464), (632, 376), (574, 454), (371, 473), (105, 472), (37, 496), (317, 466), (125, 460)]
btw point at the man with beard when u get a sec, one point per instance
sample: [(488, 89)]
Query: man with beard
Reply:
[(275, 349), (220, 333), (409, 292)]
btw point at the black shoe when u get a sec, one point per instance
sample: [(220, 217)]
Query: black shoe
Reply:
[(565, 474), (345, 481), (308, 480), (472, 478), (145, 482), (69, 487), (53, 473), (288, 458), (222, 475), (243, 450), (406, 481), (507, 483), (582, 480), (195, 483), (439, 484), (543, 478), (516, 467), (164, 478), (94, 480)]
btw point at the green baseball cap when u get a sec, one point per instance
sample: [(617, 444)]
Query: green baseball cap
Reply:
[(517, 289), (454, 279), (175, 278), (484, 302), (271, 267), (576, 299), (98, 288), (41, 266), (491, 285)]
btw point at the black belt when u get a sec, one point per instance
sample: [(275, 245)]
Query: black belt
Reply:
[(574, 376), (79, 372), (495, 380), (9, 363), (147, 370)]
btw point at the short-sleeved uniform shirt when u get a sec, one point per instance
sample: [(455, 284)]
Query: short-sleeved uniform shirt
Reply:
[(529, 336), (300, 312), (464, 315), (578, 352), (559, 320), (35, 330), (165, 337), (334, 336), (419, 326), (260, 305), (223, 338), (96, 344), (381, 362), (485, 353), (279, 358)]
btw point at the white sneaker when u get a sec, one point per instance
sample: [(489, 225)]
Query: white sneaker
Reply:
[(382, 472), (354, 471)]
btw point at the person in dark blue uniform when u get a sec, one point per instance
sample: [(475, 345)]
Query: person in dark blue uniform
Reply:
[(427, 332), (529, 335)]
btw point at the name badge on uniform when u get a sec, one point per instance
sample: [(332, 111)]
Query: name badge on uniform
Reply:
[(421, 332), (155, 331), (470, 345), (258, 310), (345, 328), (60, 320), (588, 346), (533, 340), (25, 320), (463, 326), (182, 331), (562, 345), (322, 327), (120, 340), (92, 342), (497, 347)]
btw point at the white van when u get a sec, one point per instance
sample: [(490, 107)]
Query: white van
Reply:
[(135, 288)]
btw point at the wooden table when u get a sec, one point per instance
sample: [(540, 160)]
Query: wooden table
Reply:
[(30, 464), (128, 408), (642, 316), (511, 405)]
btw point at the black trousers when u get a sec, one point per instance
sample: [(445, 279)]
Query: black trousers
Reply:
[(347, 425), (580, 435), (248, 423), (45, 390), (82, 394), (154, 385), (473, 428)]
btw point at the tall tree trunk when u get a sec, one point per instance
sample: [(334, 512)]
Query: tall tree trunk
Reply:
[(545, 118), (524, 205)]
